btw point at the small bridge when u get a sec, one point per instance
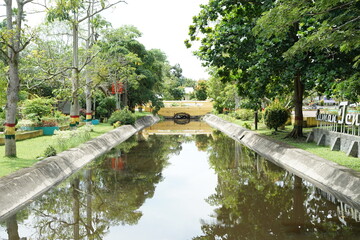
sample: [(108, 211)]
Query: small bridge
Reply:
[(185, 109), (173, 128)]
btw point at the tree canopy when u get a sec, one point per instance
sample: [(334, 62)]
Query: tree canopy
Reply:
[(242, 41)]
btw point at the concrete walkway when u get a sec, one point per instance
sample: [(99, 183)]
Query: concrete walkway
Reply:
[(343, 183), (23, 186)]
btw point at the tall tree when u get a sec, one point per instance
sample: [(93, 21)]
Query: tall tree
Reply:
[(75, 12), (175, 83), (12, 37), (315, 65), (140, 71), (242, 40)]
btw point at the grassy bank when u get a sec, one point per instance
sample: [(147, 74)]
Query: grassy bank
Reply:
[(321, 151), (31, 150)]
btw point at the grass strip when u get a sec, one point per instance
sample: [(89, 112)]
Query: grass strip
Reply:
[(29, 151), (321, 151)]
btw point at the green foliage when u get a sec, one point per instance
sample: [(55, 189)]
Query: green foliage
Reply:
[(71, 138), (243, 114), (45, 65), (314, 50), (2, 122), (201, 90), (3, 83), (50, 151), (2, 114), (141, 70), (175, 83), (106, 106), (276, 115), (176, 93), (37, 108), (124, 116), (222, 94), (117, 124), (246, 125)]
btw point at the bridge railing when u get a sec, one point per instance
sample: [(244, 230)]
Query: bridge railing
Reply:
[(193, 108)]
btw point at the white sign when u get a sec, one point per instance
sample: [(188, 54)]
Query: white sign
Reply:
[(343, 116)]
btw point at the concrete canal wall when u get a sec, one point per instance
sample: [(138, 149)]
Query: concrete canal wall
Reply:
[(21, 187), (335, 179)]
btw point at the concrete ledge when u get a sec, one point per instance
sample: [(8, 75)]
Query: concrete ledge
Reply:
[(21, 187), (24, 135), (345, 142), (343, 183)]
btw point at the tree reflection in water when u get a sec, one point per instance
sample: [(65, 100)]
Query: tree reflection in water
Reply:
[(255, 199), (103, 195)]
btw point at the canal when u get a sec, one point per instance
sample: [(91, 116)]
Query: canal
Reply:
[(183, 181)]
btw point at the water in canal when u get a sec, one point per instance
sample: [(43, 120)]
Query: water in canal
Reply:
[(167, 185)]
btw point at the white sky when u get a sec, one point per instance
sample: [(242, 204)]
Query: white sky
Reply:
[(164, 24)]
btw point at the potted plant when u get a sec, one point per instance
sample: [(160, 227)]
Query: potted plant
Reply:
[(48, 125), (27, 125)]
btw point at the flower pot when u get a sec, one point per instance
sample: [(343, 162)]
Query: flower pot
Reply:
[(95, 122), (48, 130), (27, 128)]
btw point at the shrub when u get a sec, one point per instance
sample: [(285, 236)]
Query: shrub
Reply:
[(244, 114), (106, 107), (123, 116), (261, 115), (49, 122), (61, 118), (247, 125), (2, 122), (72, 138), (27, 123), (2, 114), (50, 151), (36, 108), (275, 115), (117, 124)]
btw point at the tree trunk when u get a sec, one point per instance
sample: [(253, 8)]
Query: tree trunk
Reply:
[(74, 108), (88, 184), (88, 96), (13, 74), (11, 109), (88, 85), (75, 184), (12, 228), (298, 100)]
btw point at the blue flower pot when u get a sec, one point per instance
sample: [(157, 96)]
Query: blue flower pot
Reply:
[(95, 122), (48, 130)]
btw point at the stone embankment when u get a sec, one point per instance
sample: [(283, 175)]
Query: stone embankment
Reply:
[(23, 186), (343, 183)]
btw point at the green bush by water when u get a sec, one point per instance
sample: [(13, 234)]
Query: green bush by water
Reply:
[(50, 151), (243, 114), (124, 116), (276, 115)]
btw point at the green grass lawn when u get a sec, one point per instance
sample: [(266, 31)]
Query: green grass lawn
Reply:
[(321, 151), (32, 150), (29, 151)]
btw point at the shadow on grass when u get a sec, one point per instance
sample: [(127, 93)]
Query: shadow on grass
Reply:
[(9, 165)]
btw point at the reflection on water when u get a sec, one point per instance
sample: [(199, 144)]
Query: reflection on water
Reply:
[(183, 187), (257, 200)]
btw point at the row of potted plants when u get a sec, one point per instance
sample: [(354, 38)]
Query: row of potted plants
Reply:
[(47, 124)]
